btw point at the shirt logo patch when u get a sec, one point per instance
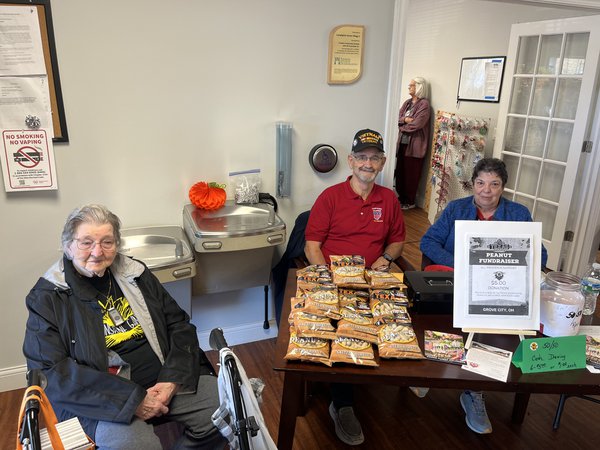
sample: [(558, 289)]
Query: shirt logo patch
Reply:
[(377, 213)]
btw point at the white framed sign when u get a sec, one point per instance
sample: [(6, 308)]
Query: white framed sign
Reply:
[(497, 269), (480, 79)]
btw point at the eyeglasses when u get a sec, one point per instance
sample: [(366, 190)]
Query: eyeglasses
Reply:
[(376, 159), (88, 244), (494, 185)]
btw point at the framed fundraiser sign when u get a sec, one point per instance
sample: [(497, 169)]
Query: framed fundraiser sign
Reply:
[(497, 269), (481, 79)]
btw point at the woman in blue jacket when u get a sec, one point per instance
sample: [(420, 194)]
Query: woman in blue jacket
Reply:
[(437, 244), (486, 203)]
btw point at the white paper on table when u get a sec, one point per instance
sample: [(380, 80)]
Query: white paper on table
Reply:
[(592, 369), (21, 52), (488, 361)]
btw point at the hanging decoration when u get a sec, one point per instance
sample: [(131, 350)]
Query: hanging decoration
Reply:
[(458, 144)]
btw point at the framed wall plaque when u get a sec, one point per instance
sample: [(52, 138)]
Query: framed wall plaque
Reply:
[(346, 44)]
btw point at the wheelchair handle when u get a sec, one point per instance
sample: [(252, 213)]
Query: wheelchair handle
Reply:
[(216, 340)]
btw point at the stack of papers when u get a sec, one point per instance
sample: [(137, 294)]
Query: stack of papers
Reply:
[(71, 434), (488, 361)]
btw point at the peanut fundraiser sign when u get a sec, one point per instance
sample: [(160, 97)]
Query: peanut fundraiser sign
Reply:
[(28, 160)]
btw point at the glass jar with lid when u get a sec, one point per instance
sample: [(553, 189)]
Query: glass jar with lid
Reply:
[(561, 304)]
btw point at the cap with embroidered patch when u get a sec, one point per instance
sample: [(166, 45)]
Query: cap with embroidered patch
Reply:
[(367, 139)]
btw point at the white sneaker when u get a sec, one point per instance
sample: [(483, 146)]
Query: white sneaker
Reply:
[(419, 391)]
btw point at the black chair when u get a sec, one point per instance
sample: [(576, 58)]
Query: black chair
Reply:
[(292, 257), (561, 406), (426, 261), (404, 264)]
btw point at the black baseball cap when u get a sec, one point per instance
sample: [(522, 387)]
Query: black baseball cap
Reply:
[(367, 139)]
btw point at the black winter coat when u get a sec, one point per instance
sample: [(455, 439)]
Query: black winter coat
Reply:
[(65, 339)]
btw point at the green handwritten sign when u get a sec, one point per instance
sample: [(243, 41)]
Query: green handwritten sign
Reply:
[(550, 354)]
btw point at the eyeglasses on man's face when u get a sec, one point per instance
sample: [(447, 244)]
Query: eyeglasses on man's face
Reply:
[(88, 244), (375, 159)]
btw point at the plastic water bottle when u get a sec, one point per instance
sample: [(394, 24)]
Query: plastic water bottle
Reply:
[(590, 287)]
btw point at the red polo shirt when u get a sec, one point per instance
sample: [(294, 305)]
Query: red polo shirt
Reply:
[(347, 225)]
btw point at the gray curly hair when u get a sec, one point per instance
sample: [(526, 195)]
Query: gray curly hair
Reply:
[(92, 213)]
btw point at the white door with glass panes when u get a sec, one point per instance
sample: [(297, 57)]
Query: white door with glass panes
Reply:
[(546, 105)]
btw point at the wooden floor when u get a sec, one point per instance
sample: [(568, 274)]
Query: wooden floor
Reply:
[(393, 417), (416, 223)]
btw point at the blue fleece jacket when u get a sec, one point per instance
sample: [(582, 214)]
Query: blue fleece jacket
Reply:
[(438, 242)]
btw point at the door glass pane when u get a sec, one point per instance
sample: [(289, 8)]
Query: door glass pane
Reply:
[(536, 137), (552, 180), (549, 54), (520, 95), (559, 141), (567, 98), (515, 126), (542, 97), (546, 214), (528, 176), (507, 195), (526, 54), (528, 202), (512, 166), (575, 49)]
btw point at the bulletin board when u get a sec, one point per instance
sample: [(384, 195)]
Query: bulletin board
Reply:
[(481, 79), (51, 62)]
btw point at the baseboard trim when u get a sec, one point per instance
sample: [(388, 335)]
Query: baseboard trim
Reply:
[(241, 334), (12, 378)]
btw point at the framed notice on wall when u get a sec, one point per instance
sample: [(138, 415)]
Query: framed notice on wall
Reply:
[(481, 79), (27, 52), (345, 54)]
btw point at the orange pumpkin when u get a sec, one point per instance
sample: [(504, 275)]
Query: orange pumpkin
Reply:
[(209, 196)]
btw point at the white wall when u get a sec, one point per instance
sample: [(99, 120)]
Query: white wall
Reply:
[(160, 95), (441, 32)]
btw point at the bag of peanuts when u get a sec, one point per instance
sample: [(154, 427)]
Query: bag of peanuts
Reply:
[(348, 269), (398, 340), (386, 312), (356, 326), (313, 325), (377, 278), (352, 351), (308, 349)]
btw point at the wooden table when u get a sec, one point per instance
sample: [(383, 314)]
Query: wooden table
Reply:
[(423, 373)]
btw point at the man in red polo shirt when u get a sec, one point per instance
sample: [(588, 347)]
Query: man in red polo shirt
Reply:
[(356, 217)]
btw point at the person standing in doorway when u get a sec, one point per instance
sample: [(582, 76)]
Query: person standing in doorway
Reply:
[(413, 141)]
